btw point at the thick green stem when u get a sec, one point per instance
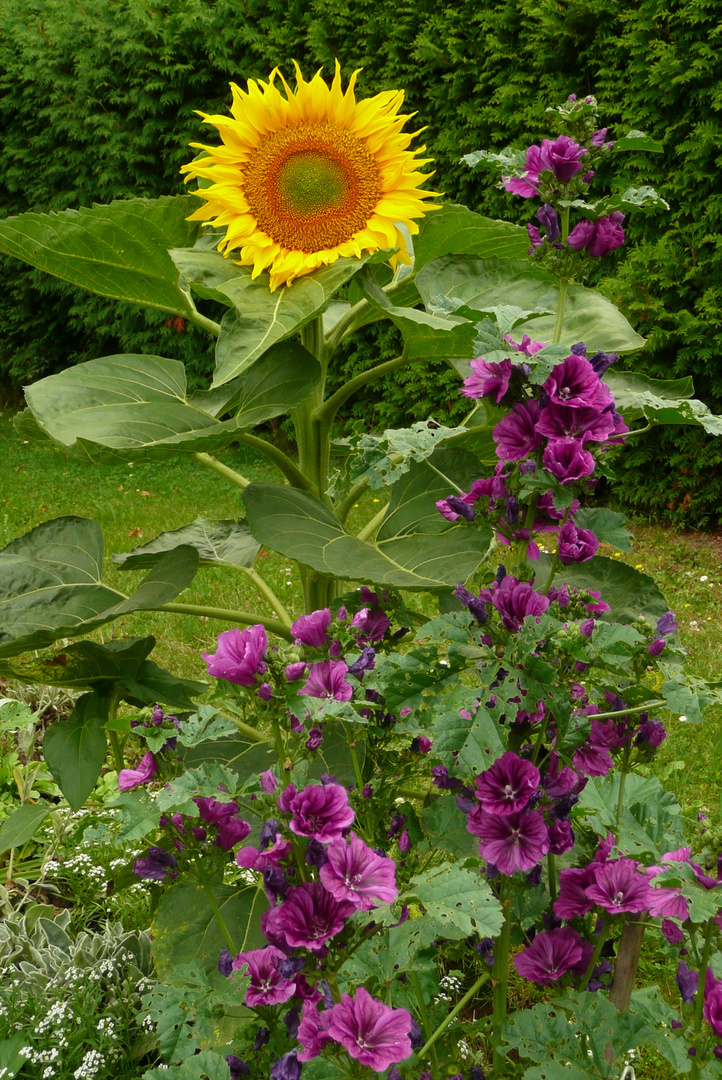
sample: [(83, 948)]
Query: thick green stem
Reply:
[(282, 461), (552, 873), (249, 732), (345, 325), (269, 594), (328, 410), (627, 712), (230, 474), (343, 508), (246, 618), (500, 975), (206, 324), (371, 528), (454, 1013), (115, 750)]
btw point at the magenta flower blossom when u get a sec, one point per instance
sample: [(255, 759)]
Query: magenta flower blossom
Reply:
[(598, 237), (667, 624), (517, 436), (552, 954), (372, 1033), (567, 460), (156, 865), (566, 422), (511, 842), (311, 629), (231, 829), (313, 1031), (563, 157), (239, 655), (371, 624), (656, 646), (561, 836), (664, 902), (514, 600), (620, 886), (268, 782), (267, 985), (253, 859), (559, 781), (130, 778), (322, 812), (354, 872), (307, 918), (327, 680), (526, 345), (296, 671), (507, 785), (575, 545), (712, 1010), (488, 379), (574, 382), (526, 186), (572, 900)]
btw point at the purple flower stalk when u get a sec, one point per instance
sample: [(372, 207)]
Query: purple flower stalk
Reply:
[(267, 985), (507, 785), (488, 380), (311, 629), (239, 655), (327, 679), (372, 1033), (307, 918), (551, 955), (511, 842), (130, 778), (321, 811), (354, 872)]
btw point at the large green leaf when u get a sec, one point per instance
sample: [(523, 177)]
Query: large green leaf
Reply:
[(185, 927), (482, 284), (119, 250), (412, 508), (458, 903), (456, 230), (218, 543), (128, 406), (660, 401), (300, 526), (261, 318), (74, 749), (21, 825), (628, 592), (204, 271), (51, 586)]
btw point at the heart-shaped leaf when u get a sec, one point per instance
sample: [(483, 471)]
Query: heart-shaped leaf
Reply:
[(17, 829), (74, 750)]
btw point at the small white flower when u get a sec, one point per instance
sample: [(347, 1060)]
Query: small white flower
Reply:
[(682, 719), (705, 577)]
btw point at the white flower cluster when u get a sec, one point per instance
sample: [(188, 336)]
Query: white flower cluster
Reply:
[(40, 1057), (450, 985), (59, 1014), (106, 1026), (89, 1066)]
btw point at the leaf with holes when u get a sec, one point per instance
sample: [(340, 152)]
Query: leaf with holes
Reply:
[(458, 903), (466, 744)]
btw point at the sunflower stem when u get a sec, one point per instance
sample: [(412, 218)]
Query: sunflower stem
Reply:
[(206, 324), (246, 618), (282, 461), (230, 474), (327, 411)]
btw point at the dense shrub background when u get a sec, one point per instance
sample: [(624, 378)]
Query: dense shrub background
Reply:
[(98, 99)]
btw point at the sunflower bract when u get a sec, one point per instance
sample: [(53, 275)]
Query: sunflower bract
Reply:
[(303, 179)]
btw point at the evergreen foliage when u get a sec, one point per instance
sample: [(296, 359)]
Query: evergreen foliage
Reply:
[(98, 103)]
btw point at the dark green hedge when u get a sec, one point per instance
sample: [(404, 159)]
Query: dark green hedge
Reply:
[(98, 99)]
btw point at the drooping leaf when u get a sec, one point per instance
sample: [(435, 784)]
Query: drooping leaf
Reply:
[(125, 407), (119, 250), (660, 401), (301, 527), (20, 827), (203, 271), (185, 927), (457, 230), (224, 543), (51, 587), (481, 283), (74, 749)]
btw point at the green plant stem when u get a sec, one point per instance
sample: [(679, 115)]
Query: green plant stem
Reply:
[(282, 461), (249, 732), (622, 780), (425, 1019), (345, 325), (409, 793), (343, 508), (370, 529), (354, 761), (206, 324), (228, 615), (552, 873), (327, 411), (230, 474), (563, 283), (116, 751), (500, 975), (594, 958), (627, 712), (454, 1013), (208, 889), (263, 587)]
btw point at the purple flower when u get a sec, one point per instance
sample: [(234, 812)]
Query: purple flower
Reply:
[(563, 157), (404, 842), (526, 186), (371, 623), (598, 237), (535, 238), (567, 460), (507, 785), (552, 954), (296, 671), (620, 886), (511, 842), (315, 738), (568, 422), (657, 646), (327, 680), (598, 138), (548, 217), (130, 778), (515, 600), (516, 435), (231, 829), (526, 345), (365, 662), (372, 1033), (651, 734), (354, 872), (237, 1067), (573, 900), (575, 545), (686, 981), (488, 379), (313, 1031), (574, 382), (440, 778), (667, 624), (287, 1067), (239, 655), (268, 782), (321, 811), (672, 932), (712, 1010), (267, 985), (561, 836), (307, 918), (311, 629), (155, 865)]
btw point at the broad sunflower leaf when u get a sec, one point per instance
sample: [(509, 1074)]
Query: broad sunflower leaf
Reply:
[(260, 318), (299, 526), (456, 230), (119, 250), (483, 283), (412, 508), (218, 543), (74, 750), (128, 406), (51, 585), (185, 928), (660, 401)]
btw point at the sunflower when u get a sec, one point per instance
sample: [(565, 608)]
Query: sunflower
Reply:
[(303, 179)]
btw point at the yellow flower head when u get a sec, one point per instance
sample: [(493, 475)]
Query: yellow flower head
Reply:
[(302, 179)]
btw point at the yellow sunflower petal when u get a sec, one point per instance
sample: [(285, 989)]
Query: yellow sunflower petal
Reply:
[(305, 177)]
